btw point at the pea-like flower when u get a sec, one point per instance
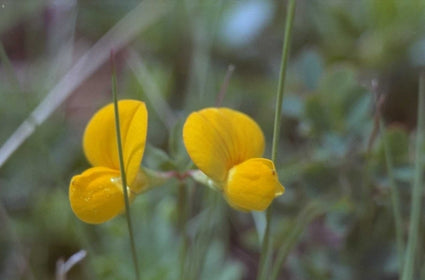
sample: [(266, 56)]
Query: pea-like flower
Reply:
[(227, 146), (96, 195)]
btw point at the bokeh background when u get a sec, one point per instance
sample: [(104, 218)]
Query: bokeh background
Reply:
[(174, 55)]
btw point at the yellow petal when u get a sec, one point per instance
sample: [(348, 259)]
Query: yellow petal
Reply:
[(252, 185), (100, 144), (219, 138), (96, 195)]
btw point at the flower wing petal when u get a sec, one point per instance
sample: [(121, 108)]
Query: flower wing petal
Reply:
[(252, 185), (96, 195), (219, 138), (100, 144)]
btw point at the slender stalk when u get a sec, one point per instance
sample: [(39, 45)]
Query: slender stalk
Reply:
[(415, 210), (224, 85), (265, 255), (422, 274), (123, 177), (395, 196), (281, 85)]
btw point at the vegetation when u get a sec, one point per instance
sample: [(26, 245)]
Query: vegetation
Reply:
[(349, 141)]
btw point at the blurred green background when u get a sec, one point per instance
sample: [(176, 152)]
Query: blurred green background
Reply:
[(343, 55)]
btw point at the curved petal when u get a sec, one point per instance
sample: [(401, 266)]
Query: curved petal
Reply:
[(96, 195), (219, 138), (100, 144), (252, 185)]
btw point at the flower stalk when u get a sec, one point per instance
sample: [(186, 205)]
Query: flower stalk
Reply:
[(265, 250), (122, 171), (416, 204), (395, 195)]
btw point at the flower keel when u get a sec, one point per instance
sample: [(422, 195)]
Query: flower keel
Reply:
[(96, 195), (252, 185)]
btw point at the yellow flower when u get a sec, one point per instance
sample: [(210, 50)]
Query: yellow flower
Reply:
[(96, 195), (227, 146)]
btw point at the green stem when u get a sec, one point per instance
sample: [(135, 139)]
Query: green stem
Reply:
[(415, 210), (265, 255), (395, 196), (422, 275), (281, 85), (123, 177), (224, 85)]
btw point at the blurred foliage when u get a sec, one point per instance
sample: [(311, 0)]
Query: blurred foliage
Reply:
[(328, 150)]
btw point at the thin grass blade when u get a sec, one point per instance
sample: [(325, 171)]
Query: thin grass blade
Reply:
[(265, 254), (122, 171), (416, 206), (141, 17)]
